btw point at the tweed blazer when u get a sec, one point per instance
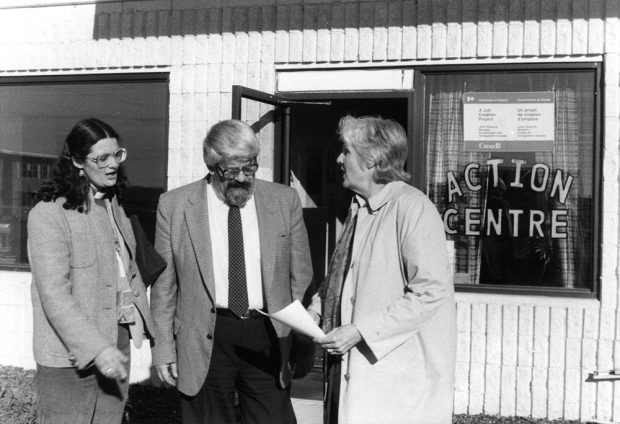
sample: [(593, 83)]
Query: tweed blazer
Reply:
[(73, 289), (183, 297)]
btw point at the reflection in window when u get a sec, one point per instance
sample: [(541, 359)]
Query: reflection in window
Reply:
[(35, 116), (516, 217)]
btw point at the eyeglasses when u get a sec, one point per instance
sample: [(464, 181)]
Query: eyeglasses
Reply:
[(232, 173), (103, 159)]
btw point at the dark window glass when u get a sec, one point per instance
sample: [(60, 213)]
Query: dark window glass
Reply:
[(37, 114), (510, 165)]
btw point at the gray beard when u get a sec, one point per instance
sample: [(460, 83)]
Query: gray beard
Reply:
[(237, 196)]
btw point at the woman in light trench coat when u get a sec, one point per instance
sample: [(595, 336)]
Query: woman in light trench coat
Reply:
[(387, 303)]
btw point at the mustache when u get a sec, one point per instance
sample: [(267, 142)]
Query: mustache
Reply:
[(237, 184)]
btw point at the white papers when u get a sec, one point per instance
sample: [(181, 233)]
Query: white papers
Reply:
[(296, 317)]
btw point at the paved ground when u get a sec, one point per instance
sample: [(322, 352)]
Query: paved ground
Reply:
[(307, 396)]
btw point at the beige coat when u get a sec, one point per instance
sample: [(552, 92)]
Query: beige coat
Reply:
[(74, 283), (403, 305)]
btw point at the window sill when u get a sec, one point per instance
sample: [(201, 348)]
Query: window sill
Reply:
[(561, 300)]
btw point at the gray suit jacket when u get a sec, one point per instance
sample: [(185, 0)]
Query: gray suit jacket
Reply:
[(74, 283), (183, 297)]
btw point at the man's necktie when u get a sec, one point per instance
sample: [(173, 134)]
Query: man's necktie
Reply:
[(237, 284)]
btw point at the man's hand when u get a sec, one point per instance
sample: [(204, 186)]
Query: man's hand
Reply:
[(111, 362), (167, 373), (340, 340)]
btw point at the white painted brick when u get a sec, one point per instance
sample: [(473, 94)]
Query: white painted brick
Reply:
[(174, 135), (539, 392), (201, 79), (492, 389), (478, 348), (379, 51), (268, 35), (215, 43), (485, 28), (580, 27), (494, 319), (612, 100), (461, 402), (254, 35), (461, 380), (395, 36), (226, 106), (227, 76), (531, 28), (214, 70), (607, 324), (515, 28), (174, 162), (267, 78), (494, 349), (463, 346), (253, 75), (240, 26), (541, 336), (309, 47), (573, 352), (548, 30), (337, 32), (323, 37), (424, 33), (596, 27), (605, 355), (524, 391), (295, 47), (572, 394), (478, 317), (188, 78), (555, 394), (588, 354), (199, 169), (213, 108), (590, 323), (557, 338), (525, 350), (200, 108), (612, 27), (509, 335), (228, 37), (604, 401), (187, 161), (526, 319), (239, 76), (410, 32), (351, 35), (453, 40), (574, 323), (469, 40), (366, 32), (463, 317), (588, 397)]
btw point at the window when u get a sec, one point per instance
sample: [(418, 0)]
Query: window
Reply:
[(36, 114), (512, 164)]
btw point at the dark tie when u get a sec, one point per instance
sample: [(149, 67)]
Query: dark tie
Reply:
[(237, 284)]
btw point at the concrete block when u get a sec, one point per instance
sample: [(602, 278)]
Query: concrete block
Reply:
[(338, 19), (588, 354), (380, 32), (590, 323), (366, 32), (394, 31), (531, 28), (478, 317), (215, 43), (596, 26), (323, 33), (525, 349), (463, 346), (492, 389), (225, 106), (174, 162), (588, 397), (240, 76), (508, 391), (295, 35), (574, 322), (202, 49), (579, 31), (605, 355), (351, 32), (461, 402), (229, 40), (509, 335), (555, 394), (463, 317), (516, 14), (461, 381), (410, 33), (539, 392), (612, 26), (573, 352), (174, 135), (541, 336), (213, 108), (282, 34), (309, 34), (267, 78), (524, 391), (572, 394), (425, 32), (548, 32), (478, 348), (227, 77), (268, 44)]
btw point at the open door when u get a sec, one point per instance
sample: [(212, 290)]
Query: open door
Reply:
[(269, 116)]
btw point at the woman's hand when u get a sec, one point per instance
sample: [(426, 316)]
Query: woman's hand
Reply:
[(340, 340), (111, 363)]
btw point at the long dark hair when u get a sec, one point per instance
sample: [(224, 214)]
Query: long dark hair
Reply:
[(66, 180)]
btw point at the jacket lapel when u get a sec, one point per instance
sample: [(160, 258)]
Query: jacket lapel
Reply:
[(267, 230), (197, 219)]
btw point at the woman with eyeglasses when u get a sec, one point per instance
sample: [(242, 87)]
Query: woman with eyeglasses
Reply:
[(88, 297)]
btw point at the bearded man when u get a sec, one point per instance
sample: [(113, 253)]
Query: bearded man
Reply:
[(234, 245)]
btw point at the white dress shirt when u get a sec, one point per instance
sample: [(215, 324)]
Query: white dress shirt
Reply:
[(218, 229)]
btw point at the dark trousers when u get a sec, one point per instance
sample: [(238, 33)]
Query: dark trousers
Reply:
[(244, 361), (71, 396)]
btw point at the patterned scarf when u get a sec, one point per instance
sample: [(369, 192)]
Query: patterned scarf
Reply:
[(331, 289)]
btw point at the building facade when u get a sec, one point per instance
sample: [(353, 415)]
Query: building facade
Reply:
[(512, 109)]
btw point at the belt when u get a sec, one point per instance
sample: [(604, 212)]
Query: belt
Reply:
[(251, 314)]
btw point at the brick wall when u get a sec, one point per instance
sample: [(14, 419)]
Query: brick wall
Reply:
[(517, 355)]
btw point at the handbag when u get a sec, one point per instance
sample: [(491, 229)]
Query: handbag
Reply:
[(149, 262)]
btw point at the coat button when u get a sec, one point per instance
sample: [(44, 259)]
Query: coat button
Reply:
[(212, 310), (347, 376), (209, 336), (136, 293)]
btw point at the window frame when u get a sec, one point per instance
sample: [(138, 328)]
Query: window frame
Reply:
[(92, 78), (420, 151)]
